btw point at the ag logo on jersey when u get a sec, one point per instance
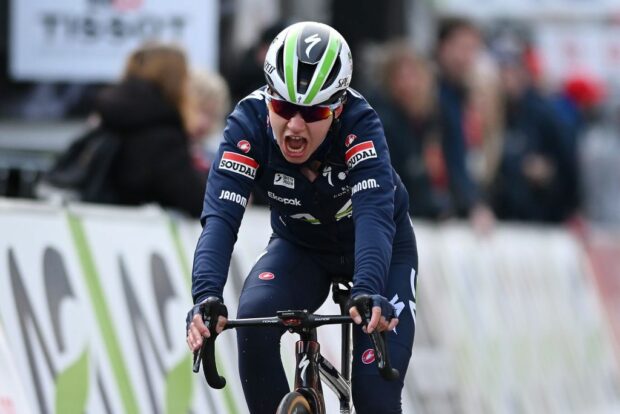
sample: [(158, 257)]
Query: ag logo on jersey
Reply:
[(239, 164), (284, 180), (359, 153)]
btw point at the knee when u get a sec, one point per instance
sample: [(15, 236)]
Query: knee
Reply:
[(255, 304)]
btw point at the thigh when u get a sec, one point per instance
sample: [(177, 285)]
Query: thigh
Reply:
[(371, 393), (285, 277)]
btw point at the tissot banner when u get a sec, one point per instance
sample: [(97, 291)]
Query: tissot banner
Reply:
[(88, 40)]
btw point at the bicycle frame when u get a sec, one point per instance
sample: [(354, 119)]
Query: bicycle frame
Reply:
[(310, 363)]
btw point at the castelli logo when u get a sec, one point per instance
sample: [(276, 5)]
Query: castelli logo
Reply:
[(349, 140), (244, 146), (368, 357), (266, 276)]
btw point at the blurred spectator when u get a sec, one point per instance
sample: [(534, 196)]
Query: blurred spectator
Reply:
[(209, 104), (599, 153), (146, 109), (536, 173), (484, 121), (579, 106), (579, 102), (406, 106), (249, 74), (458, 46)]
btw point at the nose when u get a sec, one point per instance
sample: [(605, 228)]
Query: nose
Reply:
[(296, 123)]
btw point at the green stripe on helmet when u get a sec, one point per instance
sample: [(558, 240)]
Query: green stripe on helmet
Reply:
[(290, 47), (329, 58)]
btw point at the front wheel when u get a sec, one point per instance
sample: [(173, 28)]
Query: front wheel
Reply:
[(294, 403)]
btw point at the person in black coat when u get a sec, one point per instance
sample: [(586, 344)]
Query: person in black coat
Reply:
[(536, 178), (146, 109), (406, 106)]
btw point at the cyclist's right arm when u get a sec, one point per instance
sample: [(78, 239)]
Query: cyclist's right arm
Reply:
[(228, 189)]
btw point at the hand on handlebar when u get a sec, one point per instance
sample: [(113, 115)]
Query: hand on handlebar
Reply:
[(195, 321), (382, 316)]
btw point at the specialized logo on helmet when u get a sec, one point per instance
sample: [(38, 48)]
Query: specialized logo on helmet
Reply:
[(266, 276), (239, 164), (368, 357), (360, 153), (244, 146), (313, 40)]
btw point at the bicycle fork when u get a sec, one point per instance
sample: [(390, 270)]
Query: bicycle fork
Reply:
[(310, 363)]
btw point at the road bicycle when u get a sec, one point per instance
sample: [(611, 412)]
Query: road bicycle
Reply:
[(312, 367)]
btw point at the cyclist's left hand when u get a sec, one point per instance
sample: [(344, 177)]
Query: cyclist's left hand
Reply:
[(383, 315)]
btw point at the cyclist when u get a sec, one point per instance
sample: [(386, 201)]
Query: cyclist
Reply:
[(316, 150)]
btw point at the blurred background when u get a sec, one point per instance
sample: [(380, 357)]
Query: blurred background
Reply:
[(502, 117)]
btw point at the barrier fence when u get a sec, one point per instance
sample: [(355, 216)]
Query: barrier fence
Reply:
[(93, 303)]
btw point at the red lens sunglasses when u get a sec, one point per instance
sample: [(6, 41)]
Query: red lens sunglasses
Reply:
[(288, 110)]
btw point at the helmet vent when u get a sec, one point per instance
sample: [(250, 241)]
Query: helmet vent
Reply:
[(305, 72), (280, 63), (331, 78)]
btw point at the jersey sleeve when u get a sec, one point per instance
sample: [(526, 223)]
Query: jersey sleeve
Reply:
[(229, 185), (372, 195)]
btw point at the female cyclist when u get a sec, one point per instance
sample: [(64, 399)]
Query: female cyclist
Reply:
[(316, 150)]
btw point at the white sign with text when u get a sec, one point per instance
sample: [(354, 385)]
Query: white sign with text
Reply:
[(89, 40)]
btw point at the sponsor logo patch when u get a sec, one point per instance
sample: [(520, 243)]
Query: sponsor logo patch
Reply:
[(284, 180), (234, 197), (266, 276), (244, 146), (284, 200), (365, 185), (359, 153), (239, 164), (349, 140), (368, 357)]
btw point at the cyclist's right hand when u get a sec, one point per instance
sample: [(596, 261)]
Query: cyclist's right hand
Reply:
[(195, 324)]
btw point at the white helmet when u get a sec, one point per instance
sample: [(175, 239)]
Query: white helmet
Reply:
[(309, 63)]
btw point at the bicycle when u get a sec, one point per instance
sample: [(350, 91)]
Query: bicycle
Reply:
[(312, 367)]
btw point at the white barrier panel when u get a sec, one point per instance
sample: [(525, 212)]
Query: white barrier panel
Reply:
[(12, 395), (93, 302), (509, 323)]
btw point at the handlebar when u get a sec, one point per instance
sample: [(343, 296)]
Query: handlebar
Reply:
[(363, 304), (296, 321)]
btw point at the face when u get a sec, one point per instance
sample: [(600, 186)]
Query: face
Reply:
[(297, 138), (459, 52)]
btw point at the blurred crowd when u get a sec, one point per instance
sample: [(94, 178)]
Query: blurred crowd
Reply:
[(475, 133), (473, 130)]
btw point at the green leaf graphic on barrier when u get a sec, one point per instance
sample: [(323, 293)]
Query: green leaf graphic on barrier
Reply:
[(179, 387), (72, 387)]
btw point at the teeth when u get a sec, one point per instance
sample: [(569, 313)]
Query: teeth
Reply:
[(298, 141)]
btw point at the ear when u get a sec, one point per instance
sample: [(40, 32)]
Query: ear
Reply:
[(338, 111)]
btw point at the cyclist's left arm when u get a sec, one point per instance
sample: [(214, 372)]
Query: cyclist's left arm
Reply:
[(372, 196)]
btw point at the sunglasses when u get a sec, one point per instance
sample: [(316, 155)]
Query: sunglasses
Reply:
[(288, 110)]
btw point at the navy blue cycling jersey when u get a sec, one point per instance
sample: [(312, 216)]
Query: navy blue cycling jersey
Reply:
[(357, 204)]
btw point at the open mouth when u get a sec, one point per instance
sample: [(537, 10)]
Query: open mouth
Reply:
[(294, 145)]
